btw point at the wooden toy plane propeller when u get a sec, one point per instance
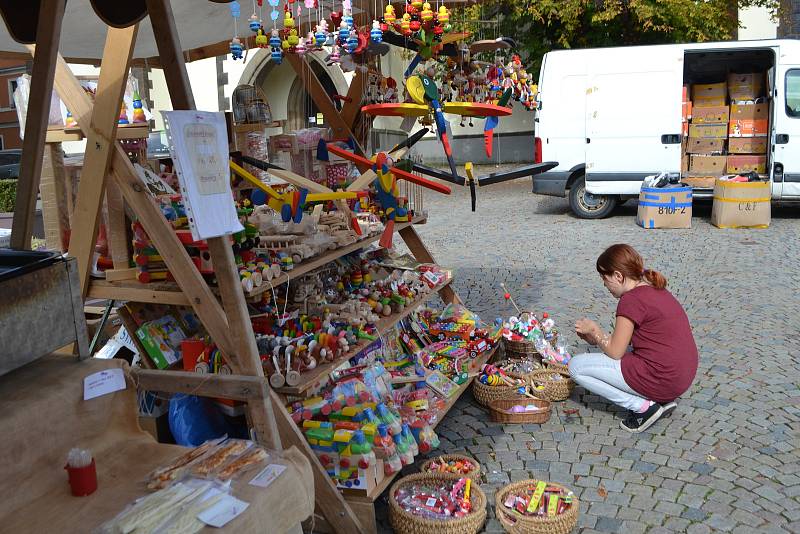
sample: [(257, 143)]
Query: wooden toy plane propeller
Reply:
[(385, 178), (290, 204), (486, 179)]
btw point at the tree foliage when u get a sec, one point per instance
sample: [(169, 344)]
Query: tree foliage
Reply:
[(539, 26)]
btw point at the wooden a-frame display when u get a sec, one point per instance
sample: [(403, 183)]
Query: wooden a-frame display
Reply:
[(107, 168)]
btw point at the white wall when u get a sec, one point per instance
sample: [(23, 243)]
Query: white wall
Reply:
[(757, 24)]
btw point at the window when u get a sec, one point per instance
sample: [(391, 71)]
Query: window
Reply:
[(793, 93), (12, 86)]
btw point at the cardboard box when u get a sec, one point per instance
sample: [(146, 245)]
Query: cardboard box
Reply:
[(710, 115), (749, 111), (745, 86), (686, 111), (710, 101), (742, 163), (709, 165), (709, 131), (705, 91), (684, 163), (747, 145), (705, 146), (748, 128), (741, 205), (665, 208)]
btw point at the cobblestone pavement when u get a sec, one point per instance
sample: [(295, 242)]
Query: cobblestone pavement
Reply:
[(728, 459)]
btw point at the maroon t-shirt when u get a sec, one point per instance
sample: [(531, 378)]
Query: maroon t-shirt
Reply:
[(663, 362)]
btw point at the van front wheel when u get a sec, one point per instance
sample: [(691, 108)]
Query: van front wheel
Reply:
[(587, 205)]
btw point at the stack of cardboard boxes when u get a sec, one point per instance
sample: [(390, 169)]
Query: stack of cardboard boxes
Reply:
[(726, 139)]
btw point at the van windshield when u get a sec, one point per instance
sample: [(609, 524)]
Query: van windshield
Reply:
[(793, 93)]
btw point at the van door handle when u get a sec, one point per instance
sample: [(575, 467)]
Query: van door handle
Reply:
[(588, 140), (781, 139), (671, 139)]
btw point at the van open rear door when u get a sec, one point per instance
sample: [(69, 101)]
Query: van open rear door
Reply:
[(633, 117), (786, 132)]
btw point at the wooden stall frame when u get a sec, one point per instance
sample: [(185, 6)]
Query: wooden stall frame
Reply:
[(226, 322)]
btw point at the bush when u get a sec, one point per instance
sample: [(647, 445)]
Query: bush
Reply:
[(8, 194)]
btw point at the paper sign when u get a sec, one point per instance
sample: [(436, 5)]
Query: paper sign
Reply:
[(103, 383), (221, 513), (267, 475), (198, 145)]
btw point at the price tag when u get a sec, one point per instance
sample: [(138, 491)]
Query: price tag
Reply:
[(102, 383)]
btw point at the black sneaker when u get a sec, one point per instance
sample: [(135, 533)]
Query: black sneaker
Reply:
[(669, 408), (639, 422)]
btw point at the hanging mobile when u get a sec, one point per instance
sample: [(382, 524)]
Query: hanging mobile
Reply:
[(237, 50)]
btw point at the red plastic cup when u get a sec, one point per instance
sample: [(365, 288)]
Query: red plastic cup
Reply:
[(82, 480)]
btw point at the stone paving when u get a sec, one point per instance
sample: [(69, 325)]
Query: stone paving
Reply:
[(728, 459)]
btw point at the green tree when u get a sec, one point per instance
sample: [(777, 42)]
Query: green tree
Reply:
[(543, 25)]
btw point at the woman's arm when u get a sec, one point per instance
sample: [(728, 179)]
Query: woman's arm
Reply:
[(614, 345)]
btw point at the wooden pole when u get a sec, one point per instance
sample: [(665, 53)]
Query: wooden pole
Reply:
[(239, 325), (100, 142), (54, 201), (48, 35), (189, 279)]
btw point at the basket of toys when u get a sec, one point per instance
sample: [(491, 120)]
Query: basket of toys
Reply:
[(433, 503), (552, 384), (494, 384), (455, 465), (520, 368), (519, 410), (536, 507)]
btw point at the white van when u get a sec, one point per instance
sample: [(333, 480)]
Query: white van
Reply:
[(611, 116)]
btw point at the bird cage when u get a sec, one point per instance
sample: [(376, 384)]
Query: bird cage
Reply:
[(250, 106)]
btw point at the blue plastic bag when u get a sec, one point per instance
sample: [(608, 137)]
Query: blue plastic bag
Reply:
[(195, 420)]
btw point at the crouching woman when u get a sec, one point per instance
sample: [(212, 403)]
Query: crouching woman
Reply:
[(650, 359)]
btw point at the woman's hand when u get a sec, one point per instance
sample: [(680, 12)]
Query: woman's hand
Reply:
[(587, 330)]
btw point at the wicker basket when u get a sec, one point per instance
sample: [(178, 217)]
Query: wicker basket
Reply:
[(406, 523), (485, 394), (519, 349), (560, 367), (554, 390), (516, 523), (475, 474), (498, 410)]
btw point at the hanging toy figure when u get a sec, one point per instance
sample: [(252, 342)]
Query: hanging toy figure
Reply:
[(376, 34), (236, 48), (275, 43), (293, 38), (300, 49), (334, 57), (352, 42), (255, 23), (389, 15), (426, 14), (344, 33), (322, 33), (261, 39)]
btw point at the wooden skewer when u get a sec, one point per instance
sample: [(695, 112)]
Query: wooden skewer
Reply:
[(510, 298)]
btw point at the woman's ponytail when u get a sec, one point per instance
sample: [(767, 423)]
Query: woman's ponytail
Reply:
[(655, 278)]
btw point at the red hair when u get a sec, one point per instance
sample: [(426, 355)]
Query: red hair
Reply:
[(624, 259)]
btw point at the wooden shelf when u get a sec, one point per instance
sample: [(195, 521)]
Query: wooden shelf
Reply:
[(131, 290), (318, 261), (132, 131), (314, 378), (376, 492), (170, 293)]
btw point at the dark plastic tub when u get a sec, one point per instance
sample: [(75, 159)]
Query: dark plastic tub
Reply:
[(15, 263)]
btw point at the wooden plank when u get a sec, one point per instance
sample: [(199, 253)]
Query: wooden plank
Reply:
[(245, 359), (312, 378), (328, 498), (171, 54), (189, 278), (100, 142), (421, 253), (116, 275), (341, 130), (234, 387), (117, 228), (103, 289), (358, 86), (52, 187), (48, 35), (132, 131)]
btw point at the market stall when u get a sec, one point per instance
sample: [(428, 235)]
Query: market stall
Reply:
[(275, 291)]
